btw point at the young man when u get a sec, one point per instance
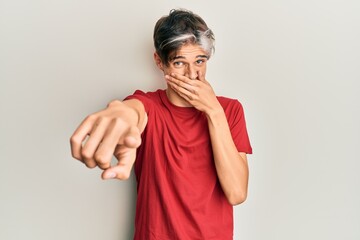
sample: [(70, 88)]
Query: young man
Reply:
[(187, 145)]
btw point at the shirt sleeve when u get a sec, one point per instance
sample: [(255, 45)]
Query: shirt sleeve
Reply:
[(143, 98), (236, 118)]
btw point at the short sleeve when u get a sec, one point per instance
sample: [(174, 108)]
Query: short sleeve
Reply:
[(143, 98), (236, 119)]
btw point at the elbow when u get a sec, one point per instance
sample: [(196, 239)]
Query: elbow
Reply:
[(236, 198)]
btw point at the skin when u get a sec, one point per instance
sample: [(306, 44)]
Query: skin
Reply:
[(116, 130), (112, 131)]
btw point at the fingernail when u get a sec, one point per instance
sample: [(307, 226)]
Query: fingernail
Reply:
[(111, 175)]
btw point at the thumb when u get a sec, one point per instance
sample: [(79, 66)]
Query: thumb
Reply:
[(126, 158), (201, 76), (117, 172), (122, 170), (133, 138)]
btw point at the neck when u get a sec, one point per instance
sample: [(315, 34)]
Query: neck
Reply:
[(176, 99)]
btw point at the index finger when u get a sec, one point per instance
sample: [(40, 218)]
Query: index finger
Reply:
[(181, 78), (201, 76), (80, 135)]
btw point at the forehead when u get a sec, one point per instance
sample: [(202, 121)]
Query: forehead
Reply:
[(190, 51)]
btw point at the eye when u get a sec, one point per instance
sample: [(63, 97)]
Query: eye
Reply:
[(178, 64), (200, 61)]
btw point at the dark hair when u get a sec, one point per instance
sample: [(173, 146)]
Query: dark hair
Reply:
[(179, 28)]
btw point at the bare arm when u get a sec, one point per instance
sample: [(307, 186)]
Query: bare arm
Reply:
[(231, 166), (113, 131)]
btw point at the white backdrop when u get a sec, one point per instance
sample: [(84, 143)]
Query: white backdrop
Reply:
[(293, 64)]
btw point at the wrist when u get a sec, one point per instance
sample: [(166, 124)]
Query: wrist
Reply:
[(215, 112)]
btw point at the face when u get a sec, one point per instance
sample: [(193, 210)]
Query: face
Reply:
[(188, 60)]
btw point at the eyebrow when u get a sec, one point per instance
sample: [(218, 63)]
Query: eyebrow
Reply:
[(182, 57)]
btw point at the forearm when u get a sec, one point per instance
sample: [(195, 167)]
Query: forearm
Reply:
[(140, 117), (231, 167), (132, 111)]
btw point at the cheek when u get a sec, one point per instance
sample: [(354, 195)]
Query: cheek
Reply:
[(180, 71)]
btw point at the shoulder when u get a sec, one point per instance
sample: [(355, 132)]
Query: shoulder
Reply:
[(140, 93), (233, 109), (229, 103), (148, 99)]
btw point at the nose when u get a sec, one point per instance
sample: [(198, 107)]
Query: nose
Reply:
[(191, 73)]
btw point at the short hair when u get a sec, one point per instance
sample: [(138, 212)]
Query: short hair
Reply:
[(179, 28)]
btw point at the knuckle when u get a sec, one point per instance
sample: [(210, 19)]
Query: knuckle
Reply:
[(102, 119), (74, 139), (77, 156), (113, 103), (86, 154), (91, 117), (118, 120), (90, 164), (118, 123), (101, 159)]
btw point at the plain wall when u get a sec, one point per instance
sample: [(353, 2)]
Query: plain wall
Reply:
[(294, 65)]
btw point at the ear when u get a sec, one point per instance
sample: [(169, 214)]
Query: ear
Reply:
[(158, 61)]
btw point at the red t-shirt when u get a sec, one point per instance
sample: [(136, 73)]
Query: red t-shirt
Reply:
[(179, 195)]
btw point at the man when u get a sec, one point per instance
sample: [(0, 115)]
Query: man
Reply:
[(187, 145)]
